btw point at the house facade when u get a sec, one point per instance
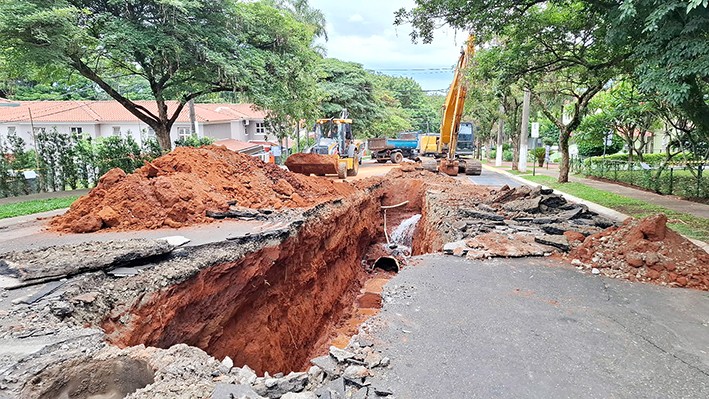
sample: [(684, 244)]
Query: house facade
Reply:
[(108, 118)]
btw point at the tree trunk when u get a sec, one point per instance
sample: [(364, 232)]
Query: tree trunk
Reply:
[(564, 148), (163, 135)]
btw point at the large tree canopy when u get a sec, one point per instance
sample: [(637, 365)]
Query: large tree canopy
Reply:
[(556, 49), (670, 39), (181, 48)]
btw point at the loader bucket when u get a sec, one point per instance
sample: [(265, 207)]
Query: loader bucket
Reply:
[(316, 164)]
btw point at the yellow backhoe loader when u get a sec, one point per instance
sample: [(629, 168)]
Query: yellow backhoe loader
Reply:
[(334, 152)]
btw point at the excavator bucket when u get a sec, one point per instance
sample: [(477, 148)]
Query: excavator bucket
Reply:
[(316, 164), (449, 167)]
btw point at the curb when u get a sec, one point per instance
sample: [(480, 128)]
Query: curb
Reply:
[(600, 209)]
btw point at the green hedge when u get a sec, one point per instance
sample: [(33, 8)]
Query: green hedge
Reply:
[(650, 159), (674, 181)]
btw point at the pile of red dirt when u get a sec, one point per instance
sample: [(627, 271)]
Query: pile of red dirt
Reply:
[(646, 250), (177, 189)]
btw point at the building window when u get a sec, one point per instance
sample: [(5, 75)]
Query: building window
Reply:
[(11, 130), (39, 130), (183, 133), (116, 130), (260, 128), (77, 131)]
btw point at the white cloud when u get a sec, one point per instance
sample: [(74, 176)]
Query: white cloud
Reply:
[(378, 44), (356, 18)]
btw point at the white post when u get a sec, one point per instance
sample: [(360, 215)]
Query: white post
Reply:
[(500, 135), (523, 140)]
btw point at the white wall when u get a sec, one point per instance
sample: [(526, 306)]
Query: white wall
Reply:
[(24, 130), (216, 131), (235, 130)]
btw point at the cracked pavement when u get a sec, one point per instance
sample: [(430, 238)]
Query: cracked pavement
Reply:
[(535, 328)]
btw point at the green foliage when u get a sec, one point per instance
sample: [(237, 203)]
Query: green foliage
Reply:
[(556, 48), (179, 49), (194, 141), (348, 85), (591, 136), (35, 206), (650, 159), (118, 152), (539, 154), (670, 40)]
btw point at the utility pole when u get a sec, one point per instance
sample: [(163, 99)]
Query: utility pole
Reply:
[(193, 119), (500, 134), (523, 140)]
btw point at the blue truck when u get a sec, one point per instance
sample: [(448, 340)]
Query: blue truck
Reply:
[(406, 145)]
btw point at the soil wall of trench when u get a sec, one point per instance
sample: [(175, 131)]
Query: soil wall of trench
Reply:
[(271, 308)]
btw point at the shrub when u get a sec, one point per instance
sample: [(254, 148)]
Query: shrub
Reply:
[(540, 154), (118, 152), (507, 156), (194, 141)]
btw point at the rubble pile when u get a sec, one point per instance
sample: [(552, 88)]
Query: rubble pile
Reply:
[(514, 222), (645, 250), (192, 185)]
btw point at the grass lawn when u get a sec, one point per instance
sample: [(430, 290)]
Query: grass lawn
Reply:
[(684, 223), (35, 206)]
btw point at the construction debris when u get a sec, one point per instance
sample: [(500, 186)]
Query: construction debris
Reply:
[(510, 222), (46, 264), (645, 250)]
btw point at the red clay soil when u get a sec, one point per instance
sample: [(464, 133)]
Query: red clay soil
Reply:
[(270, 308), (308, 159), (177, 189), (646, 250)]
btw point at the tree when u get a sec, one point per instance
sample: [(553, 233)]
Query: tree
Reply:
[(670, 39), (555, 48), (348, 85), (182, 49), (591, 136)]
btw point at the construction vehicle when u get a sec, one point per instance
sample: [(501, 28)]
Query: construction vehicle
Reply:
[(394, 150), (456, 140), (334, 152)]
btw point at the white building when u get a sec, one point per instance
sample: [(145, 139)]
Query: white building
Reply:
[(108, 118)]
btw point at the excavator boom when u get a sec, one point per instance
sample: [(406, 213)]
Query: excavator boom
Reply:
[(453, 111)]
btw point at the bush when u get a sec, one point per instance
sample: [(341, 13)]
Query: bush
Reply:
[(540, 154), (650, 159), (507, 156), (194, 141)]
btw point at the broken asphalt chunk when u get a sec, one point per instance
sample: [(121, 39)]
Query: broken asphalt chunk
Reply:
[(559, 242)]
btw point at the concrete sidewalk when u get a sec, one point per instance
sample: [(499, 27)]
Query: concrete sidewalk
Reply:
[(666, 201)]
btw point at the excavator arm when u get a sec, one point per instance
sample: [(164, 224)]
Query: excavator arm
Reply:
[(453, 111)]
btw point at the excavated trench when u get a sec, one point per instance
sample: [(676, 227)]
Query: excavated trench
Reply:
[(276, 308)]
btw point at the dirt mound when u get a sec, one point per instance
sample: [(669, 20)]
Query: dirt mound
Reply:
[(646, 250), (177, 189)]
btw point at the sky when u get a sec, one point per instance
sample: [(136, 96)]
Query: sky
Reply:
[(363, 31)]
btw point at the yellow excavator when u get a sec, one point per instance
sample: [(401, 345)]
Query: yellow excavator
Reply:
[(455, 142), (334, 152)]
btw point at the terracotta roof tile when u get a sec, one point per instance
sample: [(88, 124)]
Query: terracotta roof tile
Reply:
[(111, 111)]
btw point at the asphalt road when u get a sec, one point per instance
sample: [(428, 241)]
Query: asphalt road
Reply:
[(531, 328), (493, 179)]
